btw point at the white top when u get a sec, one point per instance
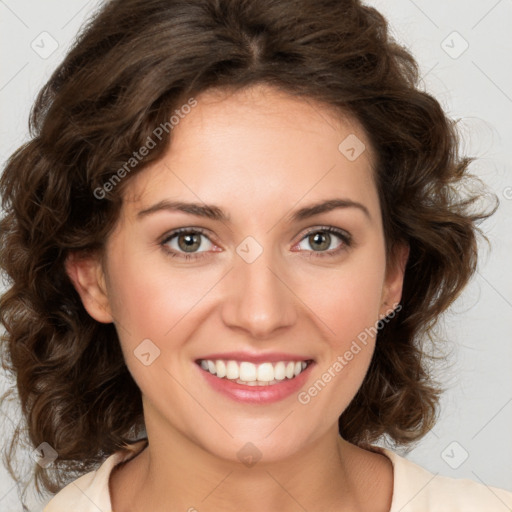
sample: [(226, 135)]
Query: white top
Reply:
[(414, 489)]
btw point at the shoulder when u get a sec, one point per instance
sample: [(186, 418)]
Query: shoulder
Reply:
[(90, 492), (417, 490)]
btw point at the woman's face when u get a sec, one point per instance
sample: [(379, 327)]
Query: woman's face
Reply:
[(261, 284)]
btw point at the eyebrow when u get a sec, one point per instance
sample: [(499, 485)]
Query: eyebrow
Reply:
[(215, 213)]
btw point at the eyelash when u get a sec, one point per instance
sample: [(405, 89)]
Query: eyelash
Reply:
[(344, 236)]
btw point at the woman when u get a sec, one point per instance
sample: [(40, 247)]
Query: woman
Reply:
[(235, 225)]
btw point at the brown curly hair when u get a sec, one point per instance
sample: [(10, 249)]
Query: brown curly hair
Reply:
[(134, 63)]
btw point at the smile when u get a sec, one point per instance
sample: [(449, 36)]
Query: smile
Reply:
[(250, 374)]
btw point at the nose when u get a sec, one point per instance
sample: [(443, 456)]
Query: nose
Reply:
[(258, 299)]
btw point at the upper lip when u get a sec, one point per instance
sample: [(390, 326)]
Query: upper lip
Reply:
[(271, 357)]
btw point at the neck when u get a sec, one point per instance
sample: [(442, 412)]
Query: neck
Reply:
[(174, 473)]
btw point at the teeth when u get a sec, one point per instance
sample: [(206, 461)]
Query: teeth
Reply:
[(290, 370), (232, 370), (247, 372), (220, 366), (252, 374), (279, 371), (265, 373)]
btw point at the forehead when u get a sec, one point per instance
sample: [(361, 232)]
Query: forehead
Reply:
[(259, 144)]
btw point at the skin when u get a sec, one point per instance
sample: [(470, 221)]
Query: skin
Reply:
[(259, 154)]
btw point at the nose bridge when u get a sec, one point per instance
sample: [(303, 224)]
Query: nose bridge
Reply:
[(259, 301)]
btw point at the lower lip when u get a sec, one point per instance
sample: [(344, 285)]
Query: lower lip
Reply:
[(257, 394)]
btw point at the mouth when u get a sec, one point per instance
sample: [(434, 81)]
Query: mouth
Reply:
[(246, 373)]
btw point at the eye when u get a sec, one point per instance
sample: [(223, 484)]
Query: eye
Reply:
[(322, 239), (185, 243)]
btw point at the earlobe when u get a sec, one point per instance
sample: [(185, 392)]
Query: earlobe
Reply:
[(87, 276), (395, 279)]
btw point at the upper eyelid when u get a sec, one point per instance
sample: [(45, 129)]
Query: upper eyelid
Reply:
[(333, 230), (178, 231)]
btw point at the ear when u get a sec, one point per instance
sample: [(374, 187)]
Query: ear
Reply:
[(86, 274), (392, 290)]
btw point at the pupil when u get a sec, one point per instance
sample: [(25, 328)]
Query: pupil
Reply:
[(317, 238), (190, 241)]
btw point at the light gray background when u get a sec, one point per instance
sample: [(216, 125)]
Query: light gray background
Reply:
[(473, 85)]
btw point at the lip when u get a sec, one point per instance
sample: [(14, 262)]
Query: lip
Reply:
[(271, 357), (257, 394)]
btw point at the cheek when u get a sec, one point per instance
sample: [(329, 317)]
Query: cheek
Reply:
[(348, 300), (349, 306), (350, 310), (150, 301)]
